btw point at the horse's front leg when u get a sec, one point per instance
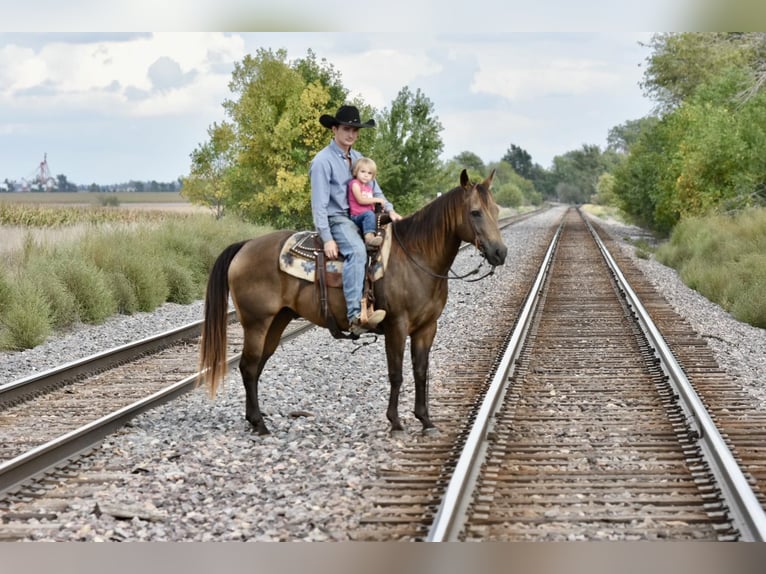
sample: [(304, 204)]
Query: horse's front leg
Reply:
[(394, 356), (421, 342)]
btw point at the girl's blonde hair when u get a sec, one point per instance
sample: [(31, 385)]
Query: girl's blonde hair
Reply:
[(365, 162)]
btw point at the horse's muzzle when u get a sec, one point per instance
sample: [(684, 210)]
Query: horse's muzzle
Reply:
[(495, 253)]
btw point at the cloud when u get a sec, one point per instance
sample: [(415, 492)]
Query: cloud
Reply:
[(563, 77), (377, 75), (465, 131), (165, 74), (109, 76)]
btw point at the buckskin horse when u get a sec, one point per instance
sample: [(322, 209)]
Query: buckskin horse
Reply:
[(413, 291)]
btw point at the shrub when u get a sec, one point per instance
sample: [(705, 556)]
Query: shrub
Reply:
[(724, 258), (89, 285), (182, 288), (25, 318), (63, 307), (123, 292)]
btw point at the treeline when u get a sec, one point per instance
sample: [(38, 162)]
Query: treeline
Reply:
[(63, 185), (704, 150)]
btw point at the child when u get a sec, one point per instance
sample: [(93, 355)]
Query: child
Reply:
[(361, 201)]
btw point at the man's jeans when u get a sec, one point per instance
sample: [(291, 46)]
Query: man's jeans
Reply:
[(354, 253)]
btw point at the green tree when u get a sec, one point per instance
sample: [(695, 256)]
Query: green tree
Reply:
[(275, 115), (471, 161), (705, 154), (406, 148), (577, 173), (622, 137), (213, 163), (682, 62), (256, 163), (510, 189), (520, 160)]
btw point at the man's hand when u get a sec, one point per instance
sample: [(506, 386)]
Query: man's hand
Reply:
[(394, 216), (331, 249)]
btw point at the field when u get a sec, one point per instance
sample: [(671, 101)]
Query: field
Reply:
[(14, 236)]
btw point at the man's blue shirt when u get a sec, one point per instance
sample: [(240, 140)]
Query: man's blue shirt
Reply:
[(330, 173)]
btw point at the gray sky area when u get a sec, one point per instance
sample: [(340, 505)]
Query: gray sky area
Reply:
[(111, 106)]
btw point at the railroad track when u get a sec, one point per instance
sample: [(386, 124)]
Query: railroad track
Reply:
[(587, 427), (48, 418)]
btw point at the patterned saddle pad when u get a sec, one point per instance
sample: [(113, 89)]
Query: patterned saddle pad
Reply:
[(298, 257)]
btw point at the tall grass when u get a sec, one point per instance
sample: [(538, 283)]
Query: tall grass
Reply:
[(108, 270), (724, 258)]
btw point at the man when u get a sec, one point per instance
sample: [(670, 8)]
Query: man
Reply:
[(330, 172)]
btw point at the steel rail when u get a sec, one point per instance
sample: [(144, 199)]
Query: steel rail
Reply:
[(450, 515), (19, 388), (45, 457), (747, 513)]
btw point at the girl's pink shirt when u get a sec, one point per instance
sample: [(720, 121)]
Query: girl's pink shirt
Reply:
[(354, 206)]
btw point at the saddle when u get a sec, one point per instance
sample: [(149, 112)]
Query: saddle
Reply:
[(303, 256)]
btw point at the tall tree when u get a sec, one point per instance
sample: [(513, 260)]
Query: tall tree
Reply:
[(682, 62), (212, 164), (471, 161), (407, 147), (577, 173), (520, 161), (260, 157), (622, 137)]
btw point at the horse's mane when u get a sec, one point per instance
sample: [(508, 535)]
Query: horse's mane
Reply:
[(425, 231)]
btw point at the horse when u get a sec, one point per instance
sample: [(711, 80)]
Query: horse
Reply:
[(413, 292)]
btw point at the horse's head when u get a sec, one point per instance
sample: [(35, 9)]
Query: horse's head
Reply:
[(481, 227)]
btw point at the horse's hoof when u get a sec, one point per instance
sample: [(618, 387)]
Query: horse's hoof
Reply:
[(431, 431), (260, 428), (397, 433)]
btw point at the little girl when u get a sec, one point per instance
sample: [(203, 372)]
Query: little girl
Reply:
[(361, 201)]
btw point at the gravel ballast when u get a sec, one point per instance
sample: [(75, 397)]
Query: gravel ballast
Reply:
[(193, 470)]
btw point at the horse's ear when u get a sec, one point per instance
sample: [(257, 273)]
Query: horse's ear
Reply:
[(465, 183), (488, 182)]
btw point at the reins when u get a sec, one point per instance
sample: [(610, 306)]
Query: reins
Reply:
[(436, 275)]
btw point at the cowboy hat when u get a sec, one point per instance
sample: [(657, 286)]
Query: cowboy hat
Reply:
[(346, 116)]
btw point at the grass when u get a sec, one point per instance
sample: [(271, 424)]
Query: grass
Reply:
[(103, 270), (724, 258)]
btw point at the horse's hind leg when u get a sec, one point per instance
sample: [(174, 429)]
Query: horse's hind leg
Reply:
[(258, 347), (394, 355), (420, 350)]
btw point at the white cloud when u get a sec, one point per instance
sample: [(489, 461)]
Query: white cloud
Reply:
[(102, 75), (377, 75), (487, 133), (563, 77)]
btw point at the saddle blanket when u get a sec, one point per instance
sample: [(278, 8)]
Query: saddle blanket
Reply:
[(302, 265)]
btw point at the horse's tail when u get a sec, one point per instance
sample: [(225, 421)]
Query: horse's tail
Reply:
[(212, 356)]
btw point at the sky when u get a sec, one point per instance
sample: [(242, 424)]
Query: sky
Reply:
[(116, 105)]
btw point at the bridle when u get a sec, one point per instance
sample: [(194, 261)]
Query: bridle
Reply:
[(477, 244)]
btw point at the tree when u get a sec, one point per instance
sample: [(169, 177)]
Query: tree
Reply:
[(704, 154), (520, 161), (622, 137), (406, 148), (510, 189), (260, 156), (682, 62), (577, 173), (471, 161), (212, 165)]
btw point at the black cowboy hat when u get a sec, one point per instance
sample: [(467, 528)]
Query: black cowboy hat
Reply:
[(346, 116)]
